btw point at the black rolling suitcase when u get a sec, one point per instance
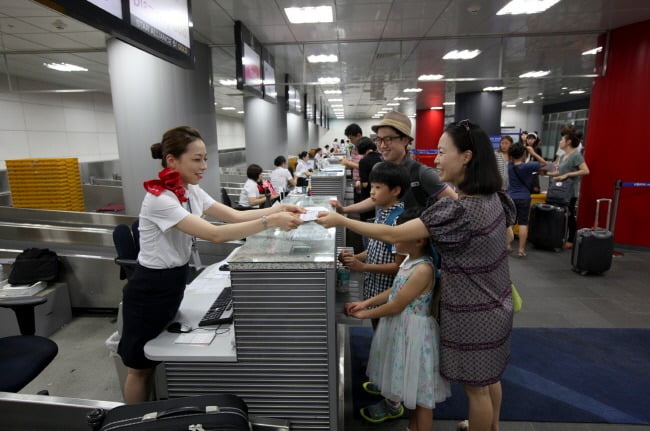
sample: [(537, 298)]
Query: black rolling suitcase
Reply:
[(593, 249), (223, 412), (548, 226)]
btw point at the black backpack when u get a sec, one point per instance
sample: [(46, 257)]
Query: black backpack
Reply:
[(35, 264)]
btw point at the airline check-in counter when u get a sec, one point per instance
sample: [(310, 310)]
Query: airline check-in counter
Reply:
[(330, 181), (280, 353)]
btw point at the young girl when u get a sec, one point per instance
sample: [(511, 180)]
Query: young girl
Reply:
[(404, 353), (475, 293)]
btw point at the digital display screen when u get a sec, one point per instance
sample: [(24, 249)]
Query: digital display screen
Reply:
[(165, 20), (114, 7), (251, 62), (269, 81)]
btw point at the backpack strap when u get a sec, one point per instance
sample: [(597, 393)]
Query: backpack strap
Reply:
[(390, 220)]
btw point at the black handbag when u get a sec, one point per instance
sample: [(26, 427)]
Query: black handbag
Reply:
[(35, 264), (559, 192)]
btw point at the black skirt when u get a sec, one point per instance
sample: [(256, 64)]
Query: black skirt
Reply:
[(150, 301)]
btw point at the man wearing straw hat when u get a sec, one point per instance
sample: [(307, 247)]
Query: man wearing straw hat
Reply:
[(393, 137)]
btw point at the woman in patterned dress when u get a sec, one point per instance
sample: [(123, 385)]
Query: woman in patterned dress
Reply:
[(470, 234)]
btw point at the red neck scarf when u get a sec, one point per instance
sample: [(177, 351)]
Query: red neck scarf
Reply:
[(169, 180)]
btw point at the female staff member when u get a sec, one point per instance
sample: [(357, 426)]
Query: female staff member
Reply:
[(170, 217), (470, 234), (303, 170), (572, 165)]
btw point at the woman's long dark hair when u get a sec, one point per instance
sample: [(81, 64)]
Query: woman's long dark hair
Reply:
[(481, 173)]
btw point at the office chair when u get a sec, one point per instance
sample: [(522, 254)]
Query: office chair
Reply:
[(23, 357), (127, 248), (225, 199)]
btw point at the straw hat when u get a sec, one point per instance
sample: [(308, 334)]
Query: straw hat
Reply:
[(397, 121)]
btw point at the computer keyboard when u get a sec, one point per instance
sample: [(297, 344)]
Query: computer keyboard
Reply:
[(220, 311)]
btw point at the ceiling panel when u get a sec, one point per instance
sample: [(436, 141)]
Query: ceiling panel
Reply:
[(360, 12)]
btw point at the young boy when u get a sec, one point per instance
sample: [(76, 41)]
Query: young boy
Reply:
[(379, 263)]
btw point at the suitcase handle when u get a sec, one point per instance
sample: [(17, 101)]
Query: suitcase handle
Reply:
[(609, 211), (173, 412)]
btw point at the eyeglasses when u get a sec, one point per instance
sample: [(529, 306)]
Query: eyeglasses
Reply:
[(466, 124), (386, 139)]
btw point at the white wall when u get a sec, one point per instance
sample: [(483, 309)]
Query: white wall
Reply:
[(57, 125), (230, 132), (525, 117)]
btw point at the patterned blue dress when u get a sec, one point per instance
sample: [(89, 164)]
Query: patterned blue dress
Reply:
[(404, 352)]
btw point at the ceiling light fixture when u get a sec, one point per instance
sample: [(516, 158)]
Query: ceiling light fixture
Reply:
[(335, 100), (240, 112), (594, 51), (229, 108), (228, 81), (494, 88), (465, 54), (518, 7), (322, 58), (304, 15), (461, 79), (430, 77), (329, 80), (449, 103), (535, 74), (401, 98), (65, 67), (436, 108), (337, 106), (511, 106), (577, 91), (392, 104), (411, 116), (528, 101), (332, 92), (412, 90)]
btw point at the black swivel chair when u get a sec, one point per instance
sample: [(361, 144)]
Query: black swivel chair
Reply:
[(23, 357), (127, 245), (225, 199)]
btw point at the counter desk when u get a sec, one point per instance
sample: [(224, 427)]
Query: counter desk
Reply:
[(330, 181), (283, 288)]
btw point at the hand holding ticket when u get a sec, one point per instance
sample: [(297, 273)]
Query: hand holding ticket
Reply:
[(312, 213)]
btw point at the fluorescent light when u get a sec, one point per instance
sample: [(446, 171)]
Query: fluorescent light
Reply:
[(594, 51), (337, 106), (228, 81), (240, 112), (494, 88), (449, 103), (577, 92), (65, 67), (461, 79), (412, 90), (392, 104), (229, 108), (430, 77), (436, 108), (465, 54), (335, 100), (329, 80), (400, 98), (535, 74), (322, 58), (565, 88), (332, 92), (511, 106), (528, 101), (518, 7), (303, 15), (411, 116)]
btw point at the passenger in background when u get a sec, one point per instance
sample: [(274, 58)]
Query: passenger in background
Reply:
[(369, 158), (470, 235), (572, 166), (522, 137), (170, 219), (249, 197), (503, 157), (521, 185), (404, 355), (281, 178), (355, 134), (532, 140), (303, 170)]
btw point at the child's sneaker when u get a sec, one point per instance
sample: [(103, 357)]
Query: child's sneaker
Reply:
[(381, 411), (371, 388)]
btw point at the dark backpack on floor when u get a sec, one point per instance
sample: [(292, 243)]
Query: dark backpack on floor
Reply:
[(35, 264)]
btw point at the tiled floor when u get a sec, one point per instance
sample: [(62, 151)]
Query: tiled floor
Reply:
[(554, 296)]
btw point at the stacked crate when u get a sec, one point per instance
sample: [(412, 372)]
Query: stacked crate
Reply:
[(53, 184)]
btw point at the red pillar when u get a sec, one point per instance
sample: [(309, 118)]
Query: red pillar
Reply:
[(430, 125), (617, 135)]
